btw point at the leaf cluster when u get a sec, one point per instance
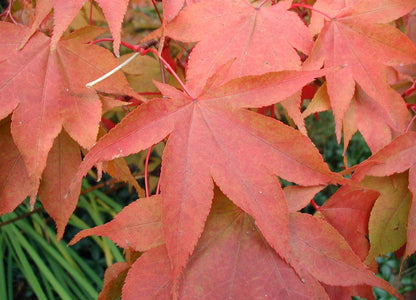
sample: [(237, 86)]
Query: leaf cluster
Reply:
[(219, 92)]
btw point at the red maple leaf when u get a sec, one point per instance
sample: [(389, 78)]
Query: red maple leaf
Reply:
[(63, 162), (65, 11), (260, 39), (45, 91), (211, 137), (351, 206), (397, 157), (14, 181), (232, 259), (351, 33)]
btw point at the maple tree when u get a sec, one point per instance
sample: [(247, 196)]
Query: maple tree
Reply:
[(212, 91)]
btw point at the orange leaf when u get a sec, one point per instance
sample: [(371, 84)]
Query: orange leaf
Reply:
[(346, 40), (262, 39), (205, 133), (46, 91), (137, 226)]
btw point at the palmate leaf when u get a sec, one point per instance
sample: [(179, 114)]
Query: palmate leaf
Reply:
[(397, 157), (65, 12), (232, 259), (45, 91), (351, 206), (357, 28), (260, 39), (14, 186), (51, 107), (211, 138)]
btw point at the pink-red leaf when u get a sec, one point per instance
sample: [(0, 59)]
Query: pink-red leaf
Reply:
[(210, 139), (262, 39), (137, 226), (396, 157), (348, 211), (114, 278), (325, 254), (411, 223), (62, 165), (14, 180), (65, 12), (347, 39), (46, 91), (232, 260)]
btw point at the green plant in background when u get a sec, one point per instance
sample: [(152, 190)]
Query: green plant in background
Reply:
[(33, 265)]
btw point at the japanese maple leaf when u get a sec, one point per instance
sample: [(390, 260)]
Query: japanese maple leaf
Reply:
[(260, 39), (14, 180), (248, 267), (348, 211), (45, 90), (363, 114), (232, 260), (211, 137), (137, 226), (388, 219), (65, 11), (63, 162), (171, 8), (324, 253), (114, 277), (411, 223), (397, 157), (355, 31)]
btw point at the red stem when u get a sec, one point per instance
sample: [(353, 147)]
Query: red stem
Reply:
[(158, 185), (142, 51), (8, 12), (169, 68), (412, 107), (410, 90), (157, 11), (314, 205), (410, 124), (146, 172), (311, 8)]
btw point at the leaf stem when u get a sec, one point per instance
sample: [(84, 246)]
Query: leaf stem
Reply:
[(410, 90), (146, 171), (413, 108), (314, 205), (311, 8), (157, 11), (142, 50), (105, 76), (8, 12)]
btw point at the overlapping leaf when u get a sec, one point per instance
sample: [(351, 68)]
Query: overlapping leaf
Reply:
[(65, 12), (351, 206), (323, 252), (355, 30), (137, 226), (388, 220), (46, 91), (212, 138), (232, 259), (397, 157), (14, 180), (260, 39), (363, 114)]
